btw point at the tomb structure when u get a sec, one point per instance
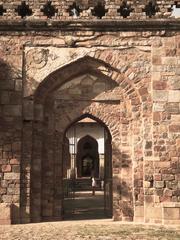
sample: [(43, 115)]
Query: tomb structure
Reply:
[(109, 70)]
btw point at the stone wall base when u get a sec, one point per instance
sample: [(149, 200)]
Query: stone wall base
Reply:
[(166, 213), (5, 214)]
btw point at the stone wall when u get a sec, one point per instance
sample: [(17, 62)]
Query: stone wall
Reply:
[(141, 112)]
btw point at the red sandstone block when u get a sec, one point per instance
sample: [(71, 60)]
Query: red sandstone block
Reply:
[(156, 116), (165, 199), (14, 161), (5, 221), (174, 128), (168, 177), (159, 184), (159, 85), (135, 101), (173, 153), (156, 60), (5, 214), (6, 168), (157, 177), (170, 52), (143, 91)]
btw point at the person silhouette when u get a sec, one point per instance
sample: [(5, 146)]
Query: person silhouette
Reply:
[(93, 182)]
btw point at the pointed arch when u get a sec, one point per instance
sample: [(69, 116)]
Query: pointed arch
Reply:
[(87, 156), (88, 65), (89, 115), (84, 65)]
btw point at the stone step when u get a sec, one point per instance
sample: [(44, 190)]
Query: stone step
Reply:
[(82, 184)]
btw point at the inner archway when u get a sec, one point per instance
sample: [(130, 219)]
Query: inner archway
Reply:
[(89, 158)]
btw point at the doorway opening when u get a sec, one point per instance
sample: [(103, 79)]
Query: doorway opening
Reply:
[(87, 158)]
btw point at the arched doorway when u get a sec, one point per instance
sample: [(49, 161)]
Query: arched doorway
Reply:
[(59, 103), (87, 157), (90, 157)]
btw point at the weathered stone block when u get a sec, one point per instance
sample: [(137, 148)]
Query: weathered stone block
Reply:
[(11, 176), (16, 168), (16, 146), (168, 177), (156, 60), (139, 211), (160, 95), (156, 116), (6, 168), (174, 128), (12, 110), (14, 161), (169, 60), (38, 112), (158, 184), (175, 118), (172, 213), (146, 184), (28, 110), (157, 177), (159, 85), (174, 82), (168, 192), (174, 96), (4, 183), (5, 97), (7, 85), (18, 85), (172, 108), (7, 198), (149, 198), (153, 212), (5, 213), (158, 107), (156, 76)]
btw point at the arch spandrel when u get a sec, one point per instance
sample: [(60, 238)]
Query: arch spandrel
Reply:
[(50, 81), (46, 63)]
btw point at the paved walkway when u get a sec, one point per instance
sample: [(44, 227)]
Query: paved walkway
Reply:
[(88, 230)]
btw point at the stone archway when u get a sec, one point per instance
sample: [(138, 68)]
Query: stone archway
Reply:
[(53, 112), (78, 202)]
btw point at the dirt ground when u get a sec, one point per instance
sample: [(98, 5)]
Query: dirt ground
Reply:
[(91, 230)]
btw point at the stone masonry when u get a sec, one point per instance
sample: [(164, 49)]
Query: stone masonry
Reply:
[(123, 70)]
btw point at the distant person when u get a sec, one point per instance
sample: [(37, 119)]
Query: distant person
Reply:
[(102, 184), (93, 186)]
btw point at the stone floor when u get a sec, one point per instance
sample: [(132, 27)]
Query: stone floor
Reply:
[(83, 205), (88, 230)]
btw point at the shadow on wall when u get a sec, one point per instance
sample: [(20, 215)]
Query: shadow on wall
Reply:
[(122, 186), (10, 147), (6, 73)]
